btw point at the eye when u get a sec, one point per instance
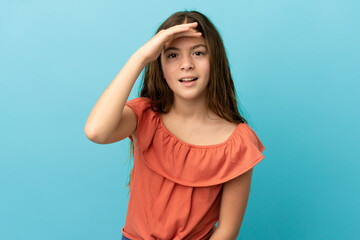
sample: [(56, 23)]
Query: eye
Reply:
[(199, 53), (172, 55)]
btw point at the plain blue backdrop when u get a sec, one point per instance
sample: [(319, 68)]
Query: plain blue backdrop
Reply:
[(296, 67)]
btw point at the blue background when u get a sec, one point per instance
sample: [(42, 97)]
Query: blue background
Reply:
[(296, 66)]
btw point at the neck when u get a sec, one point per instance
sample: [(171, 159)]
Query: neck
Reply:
[(190, 110)]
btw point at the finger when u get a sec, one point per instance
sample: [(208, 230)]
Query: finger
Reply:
[(187, 34), (183, 27), (187, 24), (173, 31)]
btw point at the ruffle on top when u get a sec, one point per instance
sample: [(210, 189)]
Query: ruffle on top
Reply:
[(188, 164)]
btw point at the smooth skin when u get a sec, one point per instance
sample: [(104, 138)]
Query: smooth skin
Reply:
[(187, 57), (107, 124), (111, 120)]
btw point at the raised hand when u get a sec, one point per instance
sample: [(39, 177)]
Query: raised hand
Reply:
[(152, 49)]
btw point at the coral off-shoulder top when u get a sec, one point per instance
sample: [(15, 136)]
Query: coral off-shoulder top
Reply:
[(175, 188)]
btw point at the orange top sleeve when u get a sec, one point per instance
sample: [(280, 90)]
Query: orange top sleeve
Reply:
[(175, 188)]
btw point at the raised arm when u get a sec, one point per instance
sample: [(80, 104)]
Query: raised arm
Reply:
[(110, 120), (234, 200), (108, 114)]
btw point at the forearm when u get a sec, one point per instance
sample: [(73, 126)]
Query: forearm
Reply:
[(222, 234), (106, 114), (235, 195)]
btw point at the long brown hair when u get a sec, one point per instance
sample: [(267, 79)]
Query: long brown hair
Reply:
[(220, 96)]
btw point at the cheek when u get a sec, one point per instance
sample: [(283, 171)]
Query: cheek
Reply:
[(168, 71), (205, 68)]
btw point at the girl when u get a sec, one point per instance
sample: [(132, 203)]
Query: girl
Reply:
[(193, 152)]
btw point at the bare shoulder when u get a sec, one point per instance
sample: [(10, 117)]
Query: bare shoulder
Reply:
[(220, 129), (214, 130), (230, 126), (222, 124)]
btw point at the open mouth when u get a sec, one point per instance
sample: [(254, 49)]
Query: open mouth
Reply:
[(188, 79)]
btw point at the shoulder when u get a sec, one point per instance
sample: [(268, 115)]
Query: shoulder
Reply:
[(139, 101), (147, 119), (139, 105), (246, 130), (227, 126), (220, 124), (249, 137)]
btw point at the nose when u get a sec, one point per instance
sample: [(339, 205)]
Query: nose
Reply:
[(186, 63)]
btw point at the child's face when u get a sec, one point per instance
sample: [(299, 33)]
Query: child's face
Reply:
[(183, 59)]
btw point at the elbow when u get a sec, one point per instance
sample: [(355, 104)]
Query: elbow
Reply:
[(92, 135)]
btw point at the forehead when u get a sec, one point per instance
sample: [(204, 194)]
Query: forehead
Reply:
[(185, 42)]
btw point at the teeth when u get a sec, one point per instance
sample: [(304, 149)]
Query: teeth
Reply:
[(187, 79)]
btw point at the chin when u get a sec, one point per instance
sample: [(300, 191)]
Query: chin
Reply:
[(188, 97)]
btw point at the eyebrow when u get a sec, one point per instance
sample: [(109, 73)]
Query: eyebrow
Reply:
[(177, 49)]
